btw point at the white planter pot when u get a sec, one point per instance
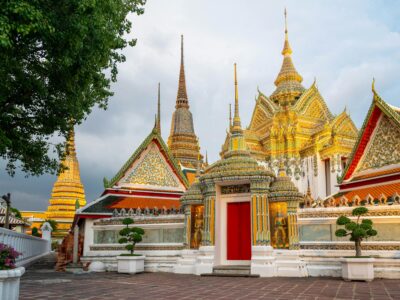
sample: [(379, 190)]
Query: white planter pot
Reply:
[(130, 264), (9, 283), (358, 268)]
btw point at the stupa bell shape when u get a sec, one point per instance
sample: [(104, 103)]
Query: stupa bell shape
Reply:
[(67, 191)]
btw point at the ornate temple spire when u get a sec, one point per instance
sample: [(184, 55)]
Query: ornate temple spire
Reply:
[(288, 82), (237, 126), (237, 144), (182, 140), (158, 119), (182, 98), (67, 190)]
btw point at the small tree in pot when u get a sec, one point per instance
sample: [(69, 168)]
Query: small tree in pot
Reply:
[(356, 230), (357, 268), (130, 235)]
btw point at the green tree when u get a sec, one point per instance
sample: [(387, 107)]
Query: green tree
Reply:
[(35, 232), (356, 230), (16, 212), (130, 235), (57, 61), (53, 224)]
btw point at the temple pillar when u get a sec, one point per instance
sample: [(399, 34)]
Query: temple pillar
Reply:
[(209, 216), (188, 225), (293, 228), (75, 247)]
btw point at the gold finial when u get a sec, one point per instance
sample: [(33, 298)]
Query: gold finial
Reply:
[(158, 125), (286, 46), (206, 158), (373, 85), (236, 118), (285, 21)]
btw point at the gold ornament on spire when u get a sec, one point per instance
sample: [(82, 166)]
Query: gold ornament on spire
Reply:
[(236, 118)]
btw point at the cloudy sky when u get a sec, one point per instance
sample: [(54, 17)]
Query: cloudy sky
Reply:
[(343, 44)]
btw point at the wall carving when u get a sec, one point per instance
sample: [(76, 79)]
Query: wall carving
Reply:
[(385, 148), (152, 170)]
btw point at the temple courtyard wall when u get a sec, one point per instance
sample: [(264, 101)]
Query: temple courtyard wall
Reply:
[(319, 254)]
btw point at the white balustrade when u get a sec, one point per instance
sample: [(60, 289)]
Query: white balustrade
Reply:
[(31, 247)]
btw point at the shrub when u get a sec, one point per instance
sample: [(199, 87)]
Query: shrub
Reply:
[(7, 257), (130, 235), (356, 230)]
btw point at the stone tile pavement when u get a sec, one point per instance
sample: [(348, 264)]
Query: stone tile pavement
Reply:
[(48, 284)]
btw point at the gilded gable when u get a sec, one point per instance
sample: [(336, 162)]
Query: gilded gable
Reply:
[(151, 170), (384, 149)]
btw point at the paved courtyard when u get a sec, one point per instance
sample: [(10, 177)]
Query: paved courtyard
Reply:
[(48, 284)]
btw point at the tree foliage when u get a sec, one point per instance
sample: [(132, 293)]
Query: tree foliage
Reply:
[(53, 224), (16, 212), (130, 235), (358, 231), (57, 61), (35, 232)]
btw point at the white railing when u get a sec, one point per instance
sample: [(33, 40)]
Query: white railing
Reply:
[(31, 247)]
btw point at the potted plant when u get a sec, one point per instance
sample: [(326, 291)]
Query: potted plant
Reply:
[(130, 262), (9, 274), (357, 267)]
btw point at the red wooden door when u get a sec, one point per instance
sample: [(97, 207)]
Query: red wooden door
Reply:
[(238, 231)]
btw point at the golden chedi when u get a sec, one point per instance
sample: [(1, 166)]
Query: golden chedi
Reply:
[(67, 193)]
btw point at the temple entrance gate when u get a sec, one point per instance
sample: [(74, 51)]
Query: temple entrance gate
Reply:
[(238, 231), (233, 229)]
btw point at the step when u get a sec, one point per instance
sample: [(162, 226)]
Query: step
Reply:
[(230, 275), (241, 270), (231, 271)]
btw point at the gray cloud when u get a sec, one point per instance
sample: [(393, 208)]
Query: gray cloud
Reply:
[(341, 43)]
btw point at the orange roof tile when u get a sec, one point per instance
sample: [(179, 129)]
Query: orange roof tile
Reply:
[(375, 191), (142, 202), (191, 177), (376, 174)]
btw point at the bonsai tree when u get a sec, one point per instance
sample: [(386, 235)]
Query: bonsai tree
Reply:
[(130, 235), (356, 230)]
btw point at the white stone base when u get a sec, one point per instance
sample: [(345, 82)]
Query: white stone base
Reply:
[(9, 283), (358, 269), (187, 263), (265, 262), (205, 260), (130, 264), (289, 264), (262, 261)]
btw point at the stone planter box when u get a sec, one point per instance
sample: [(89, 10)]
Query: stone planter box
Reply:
[(9, 283), (130, 264), (354, 268)]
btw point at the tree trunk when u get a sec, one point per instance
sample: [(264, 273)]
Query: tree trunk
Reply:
[(358, 248)]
